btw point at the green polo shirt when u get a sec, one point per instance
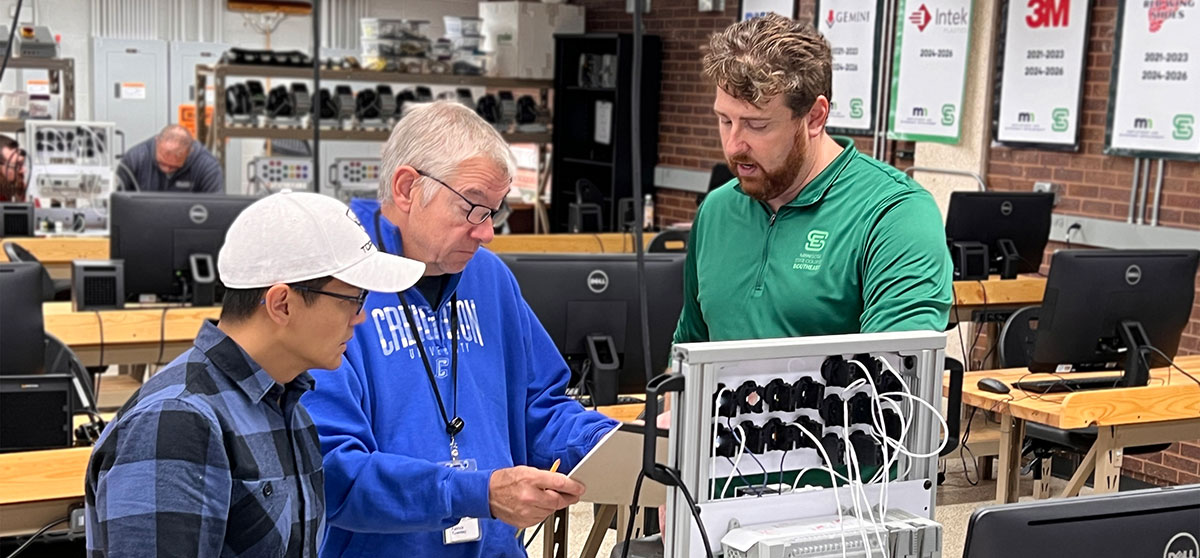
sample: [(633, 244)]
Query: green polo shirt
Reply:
[(860, 249)]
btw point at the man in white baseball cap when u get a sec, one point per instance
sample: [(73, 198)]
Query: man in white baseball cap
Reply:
[(214, 455)]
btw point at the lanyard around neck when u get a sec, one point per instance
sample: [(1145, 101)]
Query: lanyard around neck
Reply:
[(453, 425)]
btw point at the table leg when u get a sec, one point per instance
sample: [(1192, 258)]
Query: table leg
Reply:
[(1012, 434), (603, 517), (555, 534), (1041, 486), (984, 465), (1108, 461), (1086, 466)]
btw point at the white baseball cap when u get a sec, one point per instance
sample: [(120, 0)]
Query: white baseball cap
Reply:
[(297, 236)]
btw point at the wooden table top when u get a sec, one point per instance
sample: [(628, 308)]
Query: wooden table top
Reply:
[(130, 326), (62, 249), (1025, 290), (1169, 396), (34, 476)]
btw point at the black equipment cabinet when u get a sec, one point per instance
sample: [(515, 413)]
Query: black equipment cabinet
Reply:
[(593, 70)]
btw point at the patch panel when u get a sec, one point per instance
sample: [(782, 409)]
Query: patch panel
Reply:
[(274, 174)]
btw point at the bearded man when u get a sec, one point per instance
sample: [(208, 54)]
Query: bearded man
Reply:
[(811, 237)]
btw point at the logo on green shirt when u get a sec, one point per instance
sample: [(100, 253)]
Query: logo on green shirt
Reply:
[(816, 240)]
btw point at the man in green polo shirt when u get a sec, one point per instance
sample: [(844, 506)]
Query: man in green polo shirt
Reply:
[(812, 237)]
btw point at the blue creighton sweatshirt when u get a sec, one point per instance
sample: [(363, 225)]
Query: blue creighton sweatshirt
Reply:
[(384, 440)]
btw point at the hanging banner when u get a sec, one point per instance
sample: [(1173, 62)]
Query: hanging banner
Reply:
[(929, 73), (852, 29), (1045, 50), (1155, 97), (750, 9)]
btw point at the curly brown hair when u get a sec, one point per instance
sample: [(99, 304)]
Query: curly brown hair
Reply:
[(757, 59)]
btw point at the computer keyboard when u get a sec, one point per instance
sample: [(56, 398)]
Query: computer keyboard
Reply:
[(1061, 385)]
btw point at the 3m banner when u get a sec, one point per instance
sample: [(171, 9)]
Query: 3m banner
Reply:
[(852, 28), (1045, 50), (930, 70), (1155, 98)]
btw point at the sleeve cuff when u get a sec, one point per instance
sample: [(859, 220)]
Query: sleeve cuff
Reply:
[(469, 494)]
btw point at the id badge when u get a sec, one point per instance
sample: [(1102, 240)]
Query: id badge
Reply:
[(466, 530)]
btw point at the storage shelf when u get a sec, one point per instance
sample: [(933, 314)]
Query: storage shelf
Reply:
[(349, 135), (592, 89), (246, 70)]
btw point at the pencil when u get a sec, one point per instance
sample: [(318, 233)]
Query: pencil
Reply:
[(553, 469)]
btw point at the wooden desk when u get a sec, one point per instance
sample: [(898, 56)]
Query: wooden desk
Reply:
[(133, 336), (57, 253), (585, 243), (996, 294), (37, 487), (1167, 410)]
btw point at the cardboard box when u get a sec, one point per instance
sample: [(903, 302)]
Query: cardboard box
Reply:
[(521, 35)]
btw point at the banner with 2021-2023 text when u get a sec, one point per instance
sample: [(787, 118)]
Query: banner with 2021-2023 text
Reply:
[(929, 71), (1155, 98), (1045, 44), (852, 29)]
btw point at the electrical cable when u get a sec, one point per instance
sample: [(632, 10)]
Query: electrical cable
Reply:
[(962, 447), (100, 323), (687, 495), (637, 491), (162, 336), (837, 500), (533, 537), (36, 535), (1172, 363), (12, 32)]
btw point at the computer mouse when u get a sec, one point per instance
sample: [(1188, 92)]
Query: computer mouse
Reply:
[(993, 385)]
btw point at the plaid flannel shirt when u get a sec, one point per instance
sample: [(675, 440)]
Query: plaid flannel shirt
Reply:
[(211, 457)]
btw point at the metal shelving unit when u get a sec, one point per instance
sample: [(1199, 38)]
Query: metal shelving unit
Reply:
[(62, 83), (214, 136)]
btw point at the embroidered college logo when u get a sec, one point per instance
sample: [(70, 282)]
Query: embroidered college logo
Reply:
[(816, 240)]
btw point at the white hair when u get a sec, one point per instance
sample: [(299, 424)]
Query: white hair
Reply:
[(436, 138)]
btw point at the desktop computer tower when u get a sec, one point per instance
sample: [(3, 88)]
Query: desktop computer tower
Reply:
[(36, 412)]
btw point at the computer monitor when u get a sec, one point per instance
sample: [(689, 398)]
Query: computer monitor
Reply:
[(588, 303), (1008, 230), (169, 242), (1102, 308), (22, 345), (1159, 522)]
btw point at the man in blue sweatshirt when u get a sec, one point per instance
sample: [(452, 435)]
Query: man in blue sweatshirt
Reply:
[(449, 407)]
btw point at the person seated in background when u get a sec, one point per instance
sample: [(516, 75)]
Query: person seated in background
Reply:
[(12, 170), (215, 455), (170, 162)]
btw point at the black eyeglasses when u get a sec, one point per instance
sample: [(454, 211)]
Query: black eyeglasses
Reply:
[(358, 301), (477, 214)]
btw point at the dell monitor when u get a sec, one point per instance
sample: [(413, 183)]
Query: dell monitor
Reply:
[(170, 241), (997, 232), (1103, 308), (22, 351), (1159, 522), (588, 303)]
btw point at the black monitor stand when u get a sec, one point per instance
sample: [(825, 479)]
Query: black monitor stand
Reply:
[(606, 368), (1010, 259), (202, 279), (1137, 354)]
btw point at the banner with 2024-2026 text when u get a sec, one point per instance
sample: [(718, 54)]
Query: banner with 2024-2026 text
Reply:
[(852, 29), (1045, 45), (1155, 97), (929, 73)]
